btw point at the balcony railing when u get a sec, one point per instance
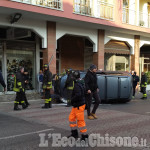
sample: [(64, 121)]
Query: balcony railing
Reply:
[(105, 10), (136, 18), (129, 16), (101, 9), (53, 4), (144, 19), (82, 7)]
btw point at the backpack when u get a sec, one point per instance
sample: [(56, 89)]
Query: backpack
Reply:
[(136, 79), (82, 86)]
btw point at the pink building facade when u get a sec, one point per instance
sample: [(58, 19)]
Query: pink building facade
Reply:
[(112, 34)]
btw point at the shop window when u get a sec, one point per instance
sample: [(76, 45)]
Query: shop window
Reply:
[(57, 66), (16, 58), (116, 62), (41, 54), (145, 67), (41, 64), (120, 66), (41, 60)]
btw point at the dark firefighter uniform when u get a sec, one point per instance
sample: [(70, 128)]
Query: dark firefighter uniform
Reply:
[(47, 85), (19, 88), (76, 117), (69, 85), (143, 85)]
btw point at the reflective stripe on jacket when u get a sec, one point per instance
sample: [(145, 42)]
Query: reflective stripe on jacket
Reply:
[(19, 82), (47, 80)]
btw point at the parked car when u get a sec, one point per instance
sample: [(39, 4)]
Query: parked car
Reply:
[(113, 86)]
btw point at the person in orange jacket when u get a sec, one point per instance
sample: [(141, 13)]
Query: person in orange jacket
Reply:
[(76, 117)]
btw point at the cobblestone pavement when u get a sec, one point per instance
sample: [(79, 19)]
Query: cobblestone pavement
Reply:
[(112, 122)]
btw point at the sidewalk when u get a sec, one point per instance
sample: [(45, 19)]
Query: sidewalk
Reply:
[(11, 97), (36, 96)]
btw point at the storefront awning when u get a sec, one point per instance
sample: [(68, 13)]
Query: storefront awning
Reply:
[(114, 51), (117, 47)]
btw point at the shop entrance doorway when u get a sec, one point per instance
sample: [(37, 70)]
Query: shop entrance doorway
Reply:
[(74, 52), (16, 52), (145, 61)]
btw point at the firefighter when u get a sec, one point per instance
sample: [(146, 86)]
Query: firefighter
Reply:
[(69, 85), (76, 117), (19, 88), (57, 88), (47, 85), (143, 85)]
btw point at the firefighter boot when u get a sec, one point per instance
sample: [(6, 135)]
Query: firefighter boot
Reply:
[(144, 98), (50, 104), (84, 137), (24, 106), (16, 107), (27, 103), (45, 106), (74, 133)]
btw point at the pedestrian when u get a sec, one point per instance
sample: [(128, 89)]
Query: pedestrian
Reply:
[(76, 117), (19, 88), (57, 88), (40, 81), (143, 85), (69, 85), (2, 82), (91, 91), (135, 83), (47, 86)]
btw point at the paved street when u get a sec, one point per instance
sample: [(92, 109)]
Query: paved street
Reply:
[(20, 129)]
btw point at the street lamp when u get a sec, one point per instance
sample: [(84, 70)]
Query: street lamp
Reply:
[(15, 18)]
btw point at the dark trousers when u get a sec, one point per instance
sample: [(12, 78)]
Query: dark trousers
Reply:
[(143, 90), (47, 94), (134, 87), (20, 97), (69, 95), (89, 101), (25, 99)]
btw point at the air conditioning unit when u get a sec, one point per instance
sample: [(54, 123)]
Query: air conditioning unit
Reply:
[(141, 23)]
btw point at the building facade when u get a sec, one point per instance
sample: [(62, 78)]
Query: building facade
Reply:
[(113, 34)]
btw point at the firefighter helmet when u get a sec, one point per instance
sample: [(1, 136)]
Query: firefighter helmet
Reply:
[(45, 66), (69, 70), (76, 74)]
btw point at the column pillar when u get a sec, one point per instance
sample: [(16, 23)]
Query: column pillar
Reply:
[(135, 57), (98, 57), (51, 46)]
